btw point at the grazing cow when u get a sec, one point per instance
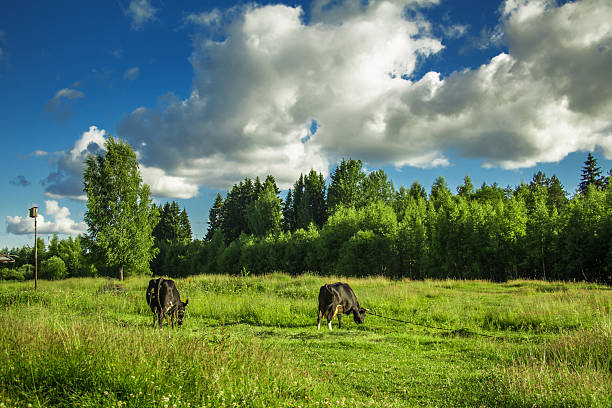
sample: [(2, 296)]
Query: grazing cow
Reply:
[(164, 300), (336, 299)]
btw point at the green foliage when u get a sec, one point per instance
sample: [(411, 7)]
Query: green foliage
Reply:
[(53, 268), (346, 189), (306, 203), (215, 217), (173, 224), (264, 214), (120, 216)]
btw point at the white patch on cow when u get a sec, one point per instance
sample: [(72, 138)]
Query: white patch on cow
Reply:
[(329, 325), (339, 309), (319, 326)]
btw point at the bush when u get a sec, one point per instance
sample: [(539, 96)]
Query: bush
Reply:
[(12, 274), (53, 268), (27, 270)]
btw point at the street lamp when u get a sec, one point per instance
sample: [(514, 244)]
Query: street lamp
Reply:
[(33, 213)]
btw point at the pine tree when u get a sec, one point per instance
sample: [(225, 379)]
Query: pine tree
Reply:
[(288, 213), (346, 185), (264, 214), (185, 227), (467, 189), (376, 187), (417, 191), (591, 175), (557, 196), (309, 205), (235, 221), (215, 218)]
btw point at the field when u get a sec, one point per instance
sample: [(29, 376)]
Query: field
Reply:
[(252, 342)]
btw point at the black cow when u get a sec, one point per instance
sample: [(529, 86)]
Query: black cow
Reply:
[(164, 300), (336, 299)]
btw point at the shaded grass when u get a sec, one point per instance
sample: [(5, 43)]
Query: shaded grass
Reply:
[(253, 342)]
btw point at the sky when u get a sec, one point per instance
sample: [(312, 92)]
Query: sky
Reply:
[(210, 92)]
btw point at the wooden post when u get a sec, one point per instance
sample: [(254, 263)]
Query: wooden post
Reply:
[(33, 214)]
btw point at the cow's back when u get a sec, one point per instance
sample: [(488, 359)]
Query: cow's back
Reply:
[(346, 294), (168, 294)]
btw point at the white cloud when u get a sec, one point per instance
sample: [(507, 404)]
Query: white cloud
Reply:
[(68, 94), (60, 106), (61, 224), (205, 18), (257, 91), (141, 12), (163, 185), (131, 74), (66, 181)]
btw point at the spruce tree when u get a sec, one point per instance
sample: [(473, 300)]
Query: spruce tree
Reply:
[(346, 185), (215, 217), (591, 174), (467, 189)]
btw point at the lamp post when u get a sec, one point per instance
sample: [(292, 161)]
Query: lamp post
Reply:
[(33, 214)]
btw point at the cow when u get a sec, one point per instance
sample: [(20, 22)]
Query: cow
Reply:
[(336, 299), (164, 300)]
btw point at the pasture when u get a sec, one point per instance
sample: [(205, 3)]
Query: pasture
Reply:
[(252, 342)]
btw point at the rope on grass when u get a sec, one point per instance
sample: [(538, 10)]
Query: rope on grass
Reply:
[(452, 331)]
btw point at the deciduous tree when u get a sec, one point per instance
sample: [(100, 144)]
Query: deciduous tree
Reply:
[(120, 215)]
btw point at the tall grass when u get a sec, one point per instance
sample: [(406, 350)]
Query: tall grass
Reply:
[(252, 342)]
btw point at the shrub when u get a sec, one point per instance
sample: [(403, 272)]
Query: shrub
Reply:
[(53, 268)]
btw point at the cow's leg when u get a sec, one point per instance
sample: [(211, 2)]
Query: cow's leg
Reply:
[(338, 312), (161, 318), (329, 316), (319, 319), (173, 316), (156, 313)]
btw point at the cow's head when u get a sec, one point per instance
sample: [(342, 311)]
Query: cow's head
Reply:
[(180, 313), (359, 316)]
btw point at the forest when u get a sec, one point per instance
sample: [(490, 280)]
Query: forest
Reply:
[(361, 225)]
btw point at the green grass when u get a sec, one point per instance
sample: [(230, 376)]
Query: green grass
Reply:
[(253, 342)]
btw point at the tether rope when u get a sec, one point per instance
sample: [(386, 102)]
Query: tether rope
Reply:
[(434, 327)]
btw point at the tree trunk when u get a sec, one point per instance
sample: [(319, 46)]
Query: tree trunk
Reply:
[(121, 272)]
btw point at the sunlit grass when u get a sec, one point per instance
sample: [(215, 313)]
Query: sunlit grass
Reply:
[(252, 341)]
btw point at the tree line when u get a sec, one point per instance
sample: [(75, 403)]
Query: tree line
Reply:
[(358, 225)]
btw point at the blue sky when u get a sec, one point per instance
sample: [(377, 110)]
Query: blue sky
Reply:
[(208, 94)]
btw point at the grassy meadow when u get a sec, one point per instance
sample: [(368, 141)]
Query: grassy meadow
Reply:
[(252, 342)]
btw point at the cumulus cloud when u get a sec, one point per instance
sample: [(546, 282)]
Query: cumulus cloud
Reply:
[(163, 185), (140, 12), (351, 68), (60, 105), (131, 74), (257, 92), (66, 180), (61, 222)]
